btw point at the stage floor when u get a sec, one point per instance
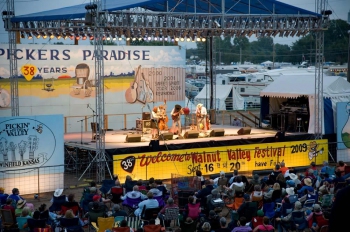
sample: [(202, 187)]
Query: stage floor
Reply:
[(117, 139)]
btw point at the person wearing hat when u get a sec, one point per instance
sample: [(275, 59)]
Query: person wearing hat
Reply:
[(315, 216), (307, 186), (294, 178), (201, 113), (175, 113), (20, 205), (3, 196)]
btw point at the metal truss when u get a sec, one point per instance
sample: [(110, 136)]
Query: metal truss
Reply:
[(168, 23), (10, 13)]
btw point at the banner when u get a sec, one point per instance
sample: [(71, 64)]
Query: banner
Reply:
[(212, 160), (55, 79)]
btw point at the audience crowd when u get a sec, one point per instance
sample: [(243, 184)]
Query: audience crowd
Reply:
[(281, 201)]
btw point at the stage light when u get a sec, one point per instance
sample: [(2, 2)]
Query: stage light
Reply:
[(77, 37), (177, 39), (149, 38), (23, 35), (140, 38), (29, 35), (198, 39), (71, 37), (83, 37), (250, 33), (155, 38), (133, 39), (120, 38), (182, 39), (204, 39), (188, 39)]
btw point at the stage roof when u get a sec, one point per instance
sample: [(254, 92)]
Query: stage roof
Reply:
[(258, 7)]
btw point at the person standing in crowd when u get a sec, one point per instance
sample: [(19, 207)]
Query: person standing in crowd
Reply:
[(201, 113), (175, 116)]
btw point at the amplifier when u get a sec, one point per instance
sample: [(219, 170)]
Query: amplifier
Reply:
[(143, 125), (146, 116)]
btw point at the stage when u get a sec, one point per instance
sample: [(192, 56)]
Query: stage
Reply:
[(115, 141)]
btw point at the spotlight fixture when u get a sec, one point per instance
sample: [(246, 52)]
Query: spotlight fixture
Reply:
[(29, 35), (23, 35), (204, 39)]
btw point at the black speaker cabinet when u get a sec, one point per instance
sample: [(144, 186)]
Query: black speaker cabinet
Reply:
[(217, 133), (191, 134), (244, 131), (166, 136), (146, 116), (133, 138)]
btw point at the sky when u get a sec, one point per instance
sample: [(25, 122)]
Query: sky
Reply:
[(340, 9)]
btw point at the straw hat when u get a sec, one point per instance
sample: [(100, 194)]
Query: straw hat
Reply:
[(308, 181), (21, 203)]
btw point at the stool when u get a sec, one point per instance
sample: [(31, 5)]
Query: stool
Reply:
[(299, 124)]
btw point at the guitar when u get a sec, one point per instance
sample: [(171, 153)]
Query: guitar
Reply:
[(4, 149), (12, 147), (33, 145), (22, 147), (175, 116), (163, 119), (131, 92), (148, 90)]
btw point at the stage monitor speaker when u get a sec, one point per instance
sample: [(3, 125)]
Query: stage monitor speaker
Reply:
[(154, 145), (133, 138), (191, 134), (279, 136), (146, 116), (217, 133), (244, 131), (166, 136)]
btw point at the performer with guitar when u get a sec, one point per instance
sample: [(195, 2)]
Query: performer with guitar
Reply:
[(175, 116), (201, 113)]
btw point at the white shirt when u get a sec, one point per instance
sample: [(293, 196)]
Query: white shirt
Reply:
[(202, 111), (150, 204), (134, 195)]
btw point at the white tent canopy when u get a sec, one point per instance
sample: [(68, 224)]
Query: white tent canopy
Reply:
[(293, 86), (222, 94)]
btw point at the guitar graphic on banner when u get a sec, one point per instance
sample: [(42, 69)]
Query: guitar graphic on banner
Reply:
[(148, 90), (131, 92), (33, 145)]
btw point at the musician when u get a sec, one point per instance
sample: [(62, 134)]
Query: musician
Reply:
[(154, 122), (201, 113), (175, 115)]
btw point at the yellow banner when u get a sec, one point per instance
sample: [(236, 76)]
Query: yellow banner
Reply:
[(212, 160)]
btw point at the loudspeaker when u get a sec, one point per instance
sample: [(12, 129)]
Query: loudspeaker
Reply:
[(146, 116), (133, 138), (191, 135), (217, 133), (166, 136), (244, 131), (154, 145)]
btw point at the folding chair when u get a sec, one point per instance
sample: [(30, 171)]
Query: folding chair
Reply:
[(103, 224), (116, 193), (309, 203), (106, 186), (131, 204), (34, 223), (7, 217), (172, 214), (298, 219), (57, 203), (149, 214), (74, 207), (160, 201), (293, 198), (94, 215), (269, 210), (70, 225), (133, 222), (121, 229), (152, 228), (237, 202)]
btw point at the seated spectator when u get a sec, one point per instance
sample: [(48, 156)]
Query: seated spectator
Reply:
[(294, 178), (192, 209), (20, 205), (257, 194), (15, 196), (128, 184), (150, 182), (215, 194), (205, 227), (236, 186), (150, 203), (71, 203), (223, 226), (220, 181), (307, 186), (134, 194), (285, 220), (281, 180), (170, 204), (235, 173), (124, 223), (9, 205), (203, 193), (312, 166), (96, 209), (162, 187), (3, 196), (325, 167), (244, 209), (156, 192), (140, 184), (258, 220), (273, 175), (316, 216), (117, 211), (265, 226), (338, 178), (255, 180), (214, 220), (241, 226), (26, 212), (189, 225), (341, 167), (198, 180), (57, 193), (97, 198), (283, 168), (277, 193)]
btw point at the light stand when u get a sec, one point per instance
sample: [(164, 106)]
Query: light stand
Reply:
[(93, 123)]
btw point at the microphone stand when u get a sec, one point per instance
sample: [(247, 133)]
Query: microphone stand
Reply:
[(142, 124), (81, 130), (93, 122)]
